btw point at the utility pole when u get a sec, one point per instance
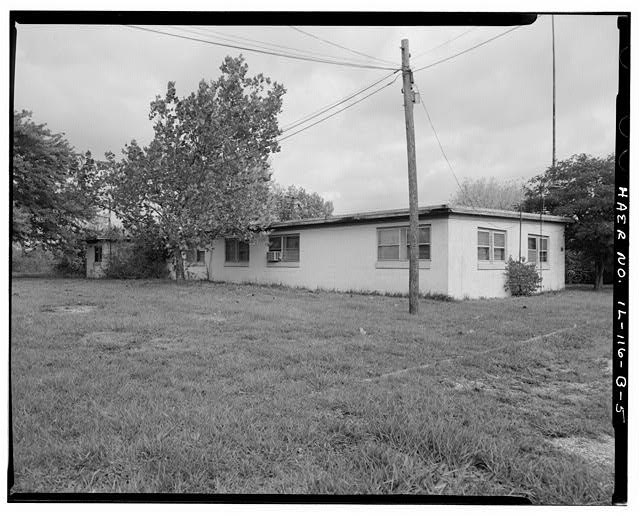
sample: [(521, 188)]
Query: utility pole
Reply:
[(407, 81)]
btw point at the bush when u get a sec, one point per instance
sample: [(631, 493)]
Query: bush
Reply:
[(142, 259), (72, 263), (522, 279), (71, 260), (32, 261)]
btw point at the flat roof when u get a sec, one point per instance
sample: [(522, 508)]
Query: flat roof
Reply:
[(437, 210)]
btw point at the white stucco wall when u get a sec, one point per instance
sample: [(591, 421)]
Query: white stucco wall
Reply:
[(339, 257), (344, 257), (467, 277)]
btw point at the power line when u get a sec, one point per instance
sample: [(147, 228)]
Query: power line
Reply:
[(339, 46), (202, 31), (444, 154), (444, 43), (468, 49), (465, 193), (334, 104), (249, 49), (341, 110)]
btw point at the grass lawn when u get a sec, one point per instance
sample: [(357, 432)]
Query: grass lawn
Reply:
[(149, 386)]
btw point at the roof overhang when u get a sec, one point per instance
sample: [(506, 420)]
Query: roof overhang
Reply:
[(424, 212)]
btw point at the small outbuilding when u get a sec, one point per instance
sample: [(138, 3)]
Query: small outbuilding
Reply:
[(100, 250)]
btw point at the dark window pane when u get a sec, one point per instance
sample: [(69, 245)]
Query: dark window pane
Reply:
[(543, 244), (532, 243), (292, 242), (424, 252), (230, 245), (483, 253), (275, 243), (389, 236), (498, 254), (543, 256), (531, 256), (98, 254), (424, 236), (498, 239), (483, 238), (243, 251), (200, 256)]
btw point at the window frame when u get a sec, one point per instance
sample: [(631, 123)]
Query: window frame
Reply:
[(283, 242), (491, 245), (538, 250), (236, 242), (403, 243)]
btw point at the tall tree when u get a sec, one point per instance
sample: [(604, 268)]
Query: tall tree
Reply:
[(52, 186), (206, 171), (488, 193), (295, 203), (581, 187)]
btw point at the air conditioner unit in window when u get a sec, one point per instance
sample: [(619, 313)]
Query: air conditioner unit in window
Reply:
[(274, 256)]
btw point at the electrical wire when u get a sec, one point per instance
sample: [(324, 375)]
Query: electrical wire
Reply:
[(341, 110), (444, 154), (421, 54), (202, 31), (334, 104), (467, 50), (249, 49), (339, 46), (475, 203)]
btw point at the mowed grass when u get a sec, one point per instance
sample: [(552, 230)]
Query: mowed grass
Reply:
[(149, 386)]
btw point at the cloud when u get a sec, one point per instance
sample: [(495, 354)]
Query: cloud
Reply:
[(491, 106)]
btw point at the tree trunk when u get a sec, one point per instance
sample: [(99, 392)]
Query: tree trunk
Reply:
[(179, 264), (597, 280)]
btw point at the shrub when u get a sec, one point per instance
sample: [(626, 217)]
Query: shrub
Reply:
[(32, 261), (522, 279), (72, 263), (142, 259), (71, 260)]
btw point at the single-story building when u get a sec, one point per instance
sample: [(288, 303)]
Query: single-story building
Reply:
[(99, 251), (463, 252)]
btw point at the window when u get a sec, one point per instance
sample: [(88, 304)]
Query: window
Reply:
[(538, 249), (199, 256), (236, 250), (393, 243), (97, 257), (287, 245), (492, 245)]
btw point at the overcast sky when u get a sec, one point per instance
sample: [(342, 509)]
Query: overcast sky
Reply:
[(491, 106)]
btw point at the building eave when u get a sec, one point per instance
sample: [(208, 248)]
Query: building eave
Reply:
[(433, 211)]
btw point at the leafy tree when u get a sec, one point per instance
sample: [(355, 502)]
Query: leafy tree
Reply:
[(52, 186), (581, 187), (295, 203), (488, 193), (206, 171)]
